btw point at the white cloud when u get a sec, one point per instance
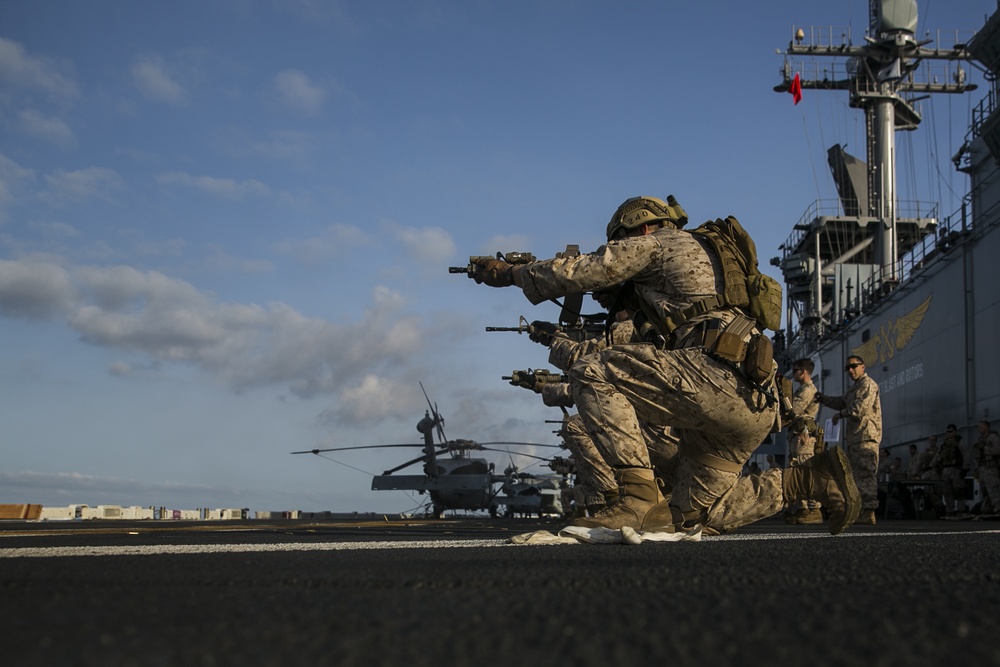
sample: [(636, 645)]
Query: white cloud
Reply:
[(508, 243), (35, 289), (221, 261), (52, 130), (284, 145), (242, 345), (120, 369), (298, 92), (19, 69), (89, 183), (431, 244), (12, 178), (220, 187), (154, 80), (335, 242), (75, 487), (374, 399)]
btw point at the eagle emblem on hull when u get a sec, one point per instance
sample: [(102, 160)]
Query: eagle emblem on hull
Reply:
[(893, 336)]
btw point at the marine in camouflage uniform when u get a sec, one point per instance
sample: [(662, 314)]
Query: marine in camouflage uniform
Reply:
[(861, 410), (988, 450), (802, 444), (948, 464), (913, 467), (596, 476), (932, 492), (679, 382)]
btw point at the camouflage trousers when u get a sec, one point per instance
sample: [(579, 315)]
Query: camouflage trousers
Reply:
[(989, 484), (595, 475), (954, 489), (864, 460), (720, 420), (800, 453)]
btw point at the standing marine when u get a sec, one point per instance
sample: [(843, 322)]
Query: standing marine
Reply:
[(988, 468), (804, 438), (861, 410)]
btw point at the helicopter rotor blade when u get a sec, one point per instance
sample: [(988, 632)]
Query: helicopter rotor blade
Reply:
[(526, 444), (438, 419), (411, 462), (342, 449), (530, 456)]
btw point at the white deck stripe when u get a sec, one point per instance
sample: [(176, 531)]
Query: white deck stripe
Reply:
[(169, 549)]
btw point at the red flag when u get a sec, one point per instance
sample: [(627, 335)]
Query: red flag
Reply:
[(796, 89)]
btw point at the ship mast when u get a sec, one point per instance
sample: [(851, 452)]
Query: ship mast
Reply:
[(882, 78)]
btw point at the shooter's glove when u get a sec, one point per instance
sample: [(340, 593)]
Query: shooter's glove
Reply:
[(493, 272), (542, 332)]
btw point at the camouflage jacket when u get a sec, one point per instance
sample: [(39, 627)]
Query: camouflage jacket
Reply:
[(988, 450), (802, 401), (564, 351), (670, 270), (861, 412), (949, 454)]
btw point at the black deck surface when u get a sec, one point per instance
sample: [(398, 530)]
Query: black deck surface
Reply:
[(415, 593)]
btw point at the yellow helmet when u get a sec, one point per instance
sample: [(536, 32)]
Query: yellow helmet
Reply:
[(643, 210)]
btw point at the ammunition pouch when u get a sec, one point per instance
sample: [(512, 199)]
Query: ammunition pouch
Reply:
[(755, 359), (759, 361), (785, 393)]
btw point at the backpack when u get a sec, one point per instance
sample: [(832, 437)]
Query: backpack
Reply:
[(756, 294)]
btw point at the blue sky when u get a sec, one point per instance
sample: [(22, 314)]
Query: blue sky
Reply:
[(225, 224)]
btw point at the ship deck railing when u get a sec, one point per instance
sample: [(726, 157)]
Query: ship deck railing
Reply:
[(834, 208), (951, 232)]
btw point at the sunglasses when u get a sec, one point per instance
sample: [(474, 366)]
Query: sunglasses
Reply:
[(850, 366)]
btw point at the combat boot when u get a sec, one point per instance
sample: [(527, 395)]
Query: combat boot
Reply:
[(865, 518), (828, 479), (810, 517), (638, 493)]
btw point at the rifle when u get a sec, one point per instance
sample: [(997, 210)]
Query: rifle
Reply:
[(584, 330), (510, 258), (529, 378)]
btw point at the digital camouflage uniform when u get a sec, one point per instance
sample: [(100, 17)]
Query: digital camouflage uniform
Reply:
[(913, 467), (721, 418), (802, 446), (928, 473), (596, 475), (988, 449), (861, 415), (948, 464), (801, 450)]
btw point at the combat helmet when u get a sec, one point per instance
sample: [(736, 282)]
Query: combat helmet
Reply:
[(643, 210)]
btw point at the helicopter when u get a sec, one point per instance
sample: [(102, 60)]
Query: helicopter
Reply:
[(457, 481)]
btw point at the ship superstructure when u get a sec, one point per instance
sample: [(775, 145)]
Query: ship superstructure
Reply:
[(916, 295)]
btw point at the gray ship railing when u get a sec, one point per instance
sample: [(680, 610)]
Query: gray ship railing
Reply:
[(833, 208), (952, 232)]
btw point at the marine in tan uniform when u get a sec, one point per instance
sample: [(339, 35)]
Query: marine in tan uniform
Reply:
[(676, 380), (988, 450), (949, 463), (802, 445), (599, 485), (932, 492), (861, 410)]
